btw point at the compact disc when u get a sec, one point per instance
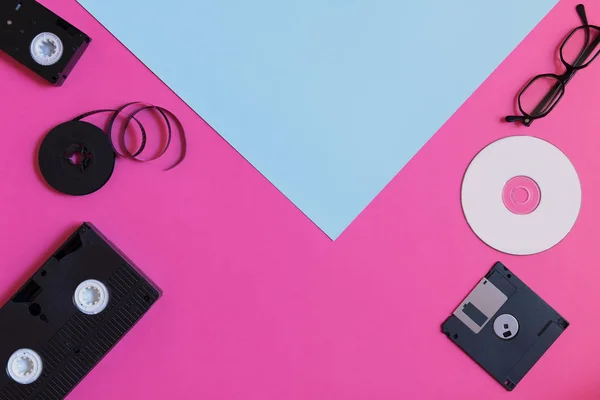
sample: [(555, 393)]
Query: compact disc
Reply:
[(521, 195), (76, 158)]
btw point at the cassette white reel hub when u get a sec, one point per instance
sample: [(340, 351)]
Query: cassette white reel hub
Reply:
[(46, 49), (24, 366), (91, 297)]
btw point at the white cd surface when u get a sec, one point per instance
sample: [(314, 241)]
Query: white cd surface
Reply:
[(521, 195)]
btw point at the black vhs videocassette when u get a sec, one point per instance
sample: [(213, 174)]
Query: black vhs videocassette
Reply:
[(69, 315)]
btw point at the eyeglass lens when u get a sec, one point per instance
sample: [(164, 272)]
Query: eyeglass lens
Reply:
[(540, 95), (580, 47)]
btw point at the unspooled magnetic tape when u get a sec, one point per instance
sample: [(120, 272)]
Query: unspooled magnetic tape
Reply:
[(78, 158)]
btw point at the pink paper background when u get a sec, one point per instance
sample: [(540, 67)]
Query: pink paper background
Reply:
[(259, 303)]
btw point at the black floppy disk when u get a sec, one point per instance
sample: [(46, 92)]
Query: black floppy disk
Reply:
[(68, 316), (40, 40), (504, 326)]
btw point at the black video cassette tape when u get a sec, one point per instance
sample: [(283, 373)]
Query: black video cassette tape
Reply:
[(68, 316), (40, 40), (504, 326)]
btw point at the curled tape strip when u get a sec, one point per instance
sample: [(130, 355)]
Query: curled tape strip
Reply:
[(164, 113)]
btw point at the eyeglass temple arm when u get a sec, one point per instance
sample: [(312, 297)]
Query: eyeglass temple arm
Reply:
[(581, 12), (556, 88), (514, 118)]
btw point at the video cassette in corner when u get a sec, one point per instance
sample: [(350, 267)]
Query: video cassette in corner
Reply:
[(40, 40), (504, 326), (68, 316)]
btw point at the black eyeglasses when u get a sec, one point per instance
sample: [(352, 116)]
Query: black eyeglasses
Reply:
[(543, 92)]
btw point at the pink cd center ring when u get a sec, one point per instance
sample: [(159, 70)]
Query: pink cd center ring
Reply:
[(521, 195)]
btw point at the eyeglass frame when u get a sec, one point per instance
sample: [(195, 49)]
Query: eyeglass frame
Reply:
[(561, 80)]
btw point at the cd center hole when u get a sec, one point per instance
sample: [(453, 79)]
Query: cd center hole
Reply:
[(520, 195)]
